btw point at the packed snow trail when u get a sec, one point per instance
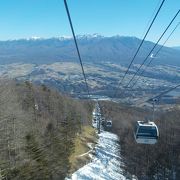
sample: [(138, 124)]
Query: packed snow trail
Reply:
[(106, 162)]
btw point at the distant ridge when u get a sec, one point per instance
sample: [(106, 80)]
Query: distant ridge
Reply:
[(176, 47), (94, 48)]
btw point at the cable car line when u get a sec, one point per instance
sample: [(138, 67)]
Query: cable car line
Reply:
[(77, 48), (139, 76), (163, 93), (147, 132), (153, 48), (167, 39), (120, 82), (160, 95), (150, 19)]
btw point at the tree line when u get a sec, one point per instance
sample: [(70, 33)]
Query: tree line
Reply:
[(38, 127), (159, 161)]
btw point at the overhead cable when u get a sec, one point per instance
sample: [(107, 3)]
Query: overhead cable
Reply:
[(155, 56), (153, 48), (163, 93), (77, 48), (120, 82)]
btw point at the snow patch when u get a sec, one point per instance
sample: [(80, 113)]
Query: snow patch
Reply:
[(106, 163)]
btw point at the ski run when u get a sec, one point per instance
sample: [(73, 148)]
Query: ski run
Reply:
[(105, 162)]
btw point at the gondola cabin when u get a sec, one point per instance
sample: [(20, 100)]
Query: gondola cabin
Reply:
[(103, 122), (146, 132), (95, 120), (109, 124)]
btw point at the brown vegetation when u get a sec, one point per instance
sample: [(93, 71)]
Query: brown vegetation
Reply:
[(37, 131), (159, 161)]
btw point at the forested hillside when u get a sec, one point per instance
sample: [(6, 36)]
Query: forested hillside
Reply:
[(159, 161), (37, 130)]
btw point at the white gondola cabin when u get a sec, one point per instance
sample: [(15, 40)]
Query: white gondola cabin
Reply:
[(146, 132), (109, 124)]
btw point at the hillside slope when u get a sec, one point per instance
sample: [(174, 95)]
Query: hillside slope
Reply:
[(38, 128), (159, 161)]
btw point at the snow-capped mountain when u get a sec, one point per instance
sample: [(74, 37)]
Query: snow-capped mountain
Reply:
[(93, 48)]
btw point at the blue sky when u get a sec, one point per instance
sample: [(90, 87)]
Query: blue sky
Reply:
[(47, 18)]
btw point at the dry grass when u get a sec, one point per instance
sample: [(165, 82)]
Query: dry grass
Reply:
[(88, 135)]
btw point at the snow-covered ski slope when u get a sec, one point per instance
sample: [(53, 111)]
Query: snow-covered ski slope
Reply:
[(106, 163)]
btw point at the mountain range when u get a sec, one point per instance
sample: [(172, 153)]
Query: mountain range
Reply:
[(177, 47), (93, 48)]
